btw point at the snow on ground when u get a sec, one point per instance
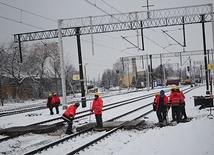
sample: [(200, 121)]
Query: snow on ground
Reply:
[(195, 137)]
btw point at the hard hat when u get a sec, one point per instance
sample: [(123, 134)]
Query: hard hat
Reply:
[(162, 92), (77, 104), (173, 88), (96, 94), (49, 95), (177, 87), (157, 93)]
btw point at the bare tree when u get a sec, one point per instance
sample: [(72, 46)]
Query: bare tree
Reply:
[(44, 63), (40, 65), (12, 68), (71, 85), (106, 79)]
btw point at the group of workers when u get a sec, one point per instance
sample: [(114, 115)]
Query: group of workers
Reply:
[(162, 104), (176, 101), (70, 112)]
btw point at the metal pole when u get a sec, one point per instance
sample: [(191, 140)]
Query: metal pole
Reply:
[(164, 75), (211, 99), (202, 79), (64, 101), (190, 68), (86, 78), (20, 48), (194, 70), (138, 49), (205, 54), (142, 62), (150, 56), (161, 68), (208, 61), (56, 85), (141, 23), (92, 38), (184, 32), (147, 79), (181, 65), (80, 67)]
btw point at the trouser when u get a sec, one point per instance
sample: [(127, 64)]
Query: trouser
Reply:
[(50, 107), (99, 120), (183, 111), (51, 111), (56, 106), (161, 114), (69, 128), (69, 120), (175, 113)]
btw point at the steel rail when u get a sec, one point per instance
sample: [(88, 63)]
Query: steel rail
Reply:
[(114, 105), (112, 131), (90, 128), (31, 108)]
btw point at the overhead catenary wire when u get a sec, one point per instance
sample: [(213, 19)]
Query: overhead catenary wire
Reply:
[(27, 12), (149, 29), (55, 21), (120, 21), (94, 5), (22, 22), (122, 13)]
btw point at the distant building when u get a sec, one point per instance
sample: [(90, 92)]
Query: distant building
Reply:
[(126, 80)]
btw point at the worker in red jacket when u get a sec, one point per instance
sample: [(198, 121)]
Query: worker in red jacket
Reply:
[(182, 104), (161, 107), (49, 104), (97, 107), (56, 102), (175, 101), (154, 104), (69, 115)]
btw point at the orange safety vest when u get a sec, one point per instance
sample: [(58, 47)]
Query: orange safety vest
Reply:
[(182, 96), (175, 98), (55, 99), (97, 105), (157, 99), (70, 111)]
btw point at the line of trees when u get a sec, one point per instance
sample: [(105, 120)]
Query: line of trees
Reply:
[(110, 76)]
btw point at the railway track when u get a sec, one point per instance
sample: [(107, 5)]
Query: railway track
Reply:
[(89, 129), (79, 115), (26, 109), (97, 139), (87, 113), (33, 108)]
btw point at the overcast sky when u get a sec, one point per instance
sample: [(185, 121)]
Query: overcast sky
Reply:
[(109, 47)]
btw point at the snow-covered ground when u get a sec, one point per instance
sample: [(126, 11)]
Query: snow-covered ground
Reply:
[(195, 137)]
